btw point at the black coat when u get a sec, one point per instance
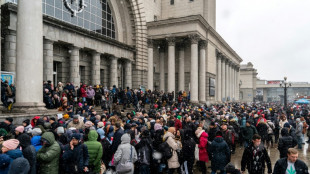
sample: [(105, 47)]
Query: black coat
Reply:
[(262, 130), (212, 133), (76, 158), (117, 140), (29, 152), (188, 146), (248, 162), (285, 142), (281, 166), (219, 154), (144, 151)]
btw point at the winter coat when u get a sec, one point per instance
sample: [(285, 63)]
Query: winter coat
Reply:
[(177, 124), (7, 158), (299, 127), (117, 139), (285, 142), (48, 156), (35, 141), (281, 167), (19, 166), (271, 127), (203, 143), (83, 91), (262, 130), (125, 152), (29, 152), (78, 157), (188, 146), (249, 163), (144, 151), (94, 150), (78, 126), (173, 162), (248, 132), (220, 154), (90, 93)]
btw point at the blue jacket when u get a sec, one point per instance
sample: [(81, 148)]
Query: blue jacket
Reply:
[(220, 154), (35, 141), (7, 158)]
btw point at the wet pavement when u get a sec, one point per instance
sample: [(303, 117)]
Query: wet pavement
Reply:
[(274, 154)]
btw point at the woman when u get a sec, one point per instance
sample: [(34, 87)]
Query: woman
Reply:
[(125, 155), (203, 153)]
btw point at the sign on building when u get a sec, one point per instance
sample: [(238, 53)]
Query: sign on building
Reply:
[(9, 76)]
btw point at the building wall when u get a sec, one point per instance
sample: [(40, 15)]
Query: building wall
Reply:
[(246, 94)]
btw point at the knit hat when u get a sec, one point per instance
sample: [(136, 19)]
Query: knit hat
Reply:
[(100, 124), (9, 119), (11, 144), (60, 130), (158, 126), (76, 136), (298, 120), (230, 168), (287, 125), (19, 165), (88, 124), (36, 131), (80, 105), (20, 129), (66, 116)]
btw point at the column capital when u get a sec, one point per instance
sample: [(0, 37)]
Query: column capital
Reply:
[(72, 47), (203, 44), (113, 57), (194, 38), (181, 45), (150, 43), (95, 53), (171, 41)]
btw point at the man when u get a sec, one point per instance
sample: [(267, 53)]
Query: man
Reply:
[(290, 164), (228, 136), (76, 123), (247, 133), (48, 155), (212, 132), (285, 142), (117, 137), (299, 127), (75, 155), (10, 127), (255, 156)]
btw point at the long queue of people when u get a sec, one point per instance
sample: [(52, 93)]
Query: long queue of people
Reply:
[(177, 137)]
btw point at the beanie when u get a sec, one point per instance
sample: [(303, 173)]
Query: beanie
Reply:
[(20, 129), (287, 125), (66, 116), (60, 130), (88, 124), (76, 136), (11, 144), (36, 131), (100, 124), (9, 119)]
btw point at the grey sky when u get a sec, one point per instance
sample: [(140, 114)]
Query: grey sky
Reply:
[(272, 34)]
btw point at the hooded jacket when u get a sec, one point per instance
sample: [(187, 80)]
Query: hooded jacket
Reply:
[(173, 162), (285, 142), (203, 143), (19, 166), (29, 151), (35, 141), (48, 156), (7, 159), (94, 150), (220, 154), (125, 152)]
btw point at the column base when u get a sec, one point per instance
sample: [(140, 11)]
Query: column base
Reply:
[(194, 102), (29, 107), (203, 102)]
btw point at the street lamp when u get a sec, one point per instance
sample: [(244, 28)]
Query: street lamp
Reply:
[(284, 84)]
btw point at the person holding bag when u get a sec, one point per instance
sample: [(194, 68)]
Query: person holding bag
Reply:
[(125, 156)]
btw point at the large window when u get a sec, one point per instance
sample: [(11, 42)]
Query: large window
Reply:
[(96, 17)]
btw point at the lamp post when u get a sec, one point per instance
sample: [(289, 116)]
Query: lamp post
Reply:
[(284, 84)]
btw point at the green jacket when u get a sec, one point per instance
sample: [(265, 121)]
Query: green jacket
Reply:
[(94, 150), (48, 157), (248, 132)]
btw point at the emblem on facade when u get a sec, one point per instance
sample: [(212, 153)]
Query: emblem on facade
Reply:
[(79, 4)]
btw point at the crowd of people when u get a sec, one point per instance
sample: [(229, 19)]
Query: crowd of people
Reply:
[(172, 136)]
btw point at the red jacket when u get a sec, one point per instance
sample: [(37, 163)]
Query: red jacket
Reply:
[(203, 142), (177, 124), (83, 91)]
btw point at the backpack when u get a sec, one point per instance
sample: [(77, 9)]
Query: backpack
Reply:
[(165, 149)]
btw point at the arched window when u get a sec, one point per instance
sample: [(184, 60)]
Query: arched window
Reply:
[(96, 17)]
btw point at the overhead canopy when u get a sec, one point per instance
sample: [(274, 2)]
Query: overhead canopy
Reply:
[(302, 101)]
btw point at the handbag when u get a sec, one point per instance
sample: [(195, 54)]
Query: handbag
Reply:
[(125, 167), (197, 152)]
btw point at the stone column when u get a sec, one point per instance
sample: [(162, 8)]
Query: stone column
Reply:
[(181, 68), (202, 71), (75, 66), (237, 84), (128, 74), (194, 68), (218, 79), (48, 57), (230, 80), (113, 72), (10, 51), (95, 69), (227, 80), (29, 62), (162, 69), (150, 74), (223, 79), (171, 64)]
